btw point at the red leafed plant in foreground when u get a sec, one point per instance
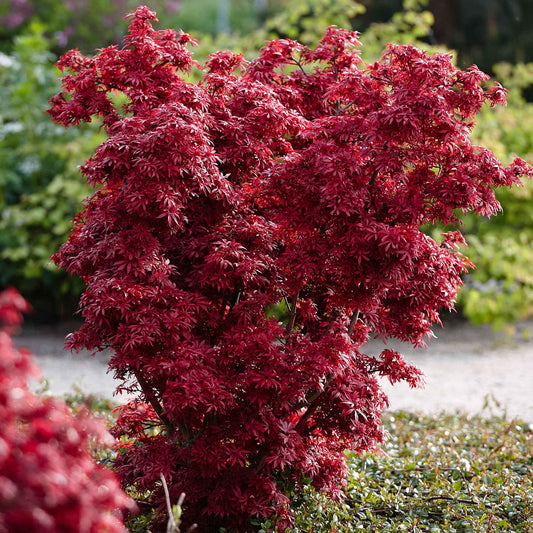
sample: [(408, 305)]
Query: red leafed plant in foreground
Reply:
[(301, 181), (49, 481)]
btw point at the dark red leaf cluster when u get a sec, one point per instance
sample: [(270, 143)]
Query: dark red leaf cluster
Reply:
[(300, 179), (49, 481)]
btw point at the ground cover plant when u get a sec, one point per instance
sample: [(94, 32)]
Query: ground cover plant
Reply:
[(49, 480), (445, 473), (299, 180)]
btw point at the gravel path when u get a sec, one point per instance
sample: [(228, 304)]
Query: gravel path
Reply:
[(466, 368)]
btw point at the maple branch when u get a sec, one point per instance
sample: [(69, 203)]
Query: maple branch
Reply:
[(310, 410), (235, 298), (372, 181), (347, 106), (232, 301), (312, 403), (386, 79), (158, 408), (353, 321), (292, 312), (296, 62), (286, 301)]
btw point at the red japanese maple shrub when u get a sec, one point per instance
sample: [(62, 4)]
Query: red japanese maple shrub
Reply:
[(49, 481), (302, 179)]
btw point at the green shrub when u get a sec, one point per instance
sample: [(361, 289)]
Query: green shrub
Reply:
[(500, 290), (307, 20), (40, 187)]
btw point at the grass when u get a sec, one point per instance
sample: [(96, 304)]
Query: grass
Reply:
[(446, 473)]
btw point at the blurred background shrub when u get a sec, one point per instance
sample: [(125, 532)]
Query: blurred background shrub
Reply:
[(40, 188), (500, 290)]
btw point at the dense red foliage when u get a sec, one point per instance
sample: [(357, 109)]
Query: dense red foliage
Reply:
[(303, 179), (49, 481)]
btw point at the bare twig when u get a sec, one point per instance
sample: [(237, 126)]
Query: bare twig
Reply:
[(312, 403), (343, 108), (171, 525), (310, 410), (150, 396), (296, 62), (353, 322), (286, 302), (450, 499), (174, 512), (310, 399), (292, 312)]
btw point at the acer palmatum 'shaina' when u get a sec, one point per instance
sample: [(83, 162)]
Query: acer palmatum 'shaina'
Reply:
[(302, 177)]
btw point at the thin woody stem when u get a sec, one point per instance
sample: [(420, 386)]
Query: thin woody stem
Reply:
[(347, 106), (223, 308), (313, 405), (158, 408), (286, 301), (353, 322), (299, 65), (310, 399), (292, 312)]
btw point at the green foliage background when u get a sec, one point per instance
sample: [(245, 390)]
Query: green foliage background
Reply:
[(40, 187), (500, 290)]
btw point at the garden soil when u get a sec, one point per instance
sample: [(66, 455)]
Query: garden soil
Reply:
[(467, 368)]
